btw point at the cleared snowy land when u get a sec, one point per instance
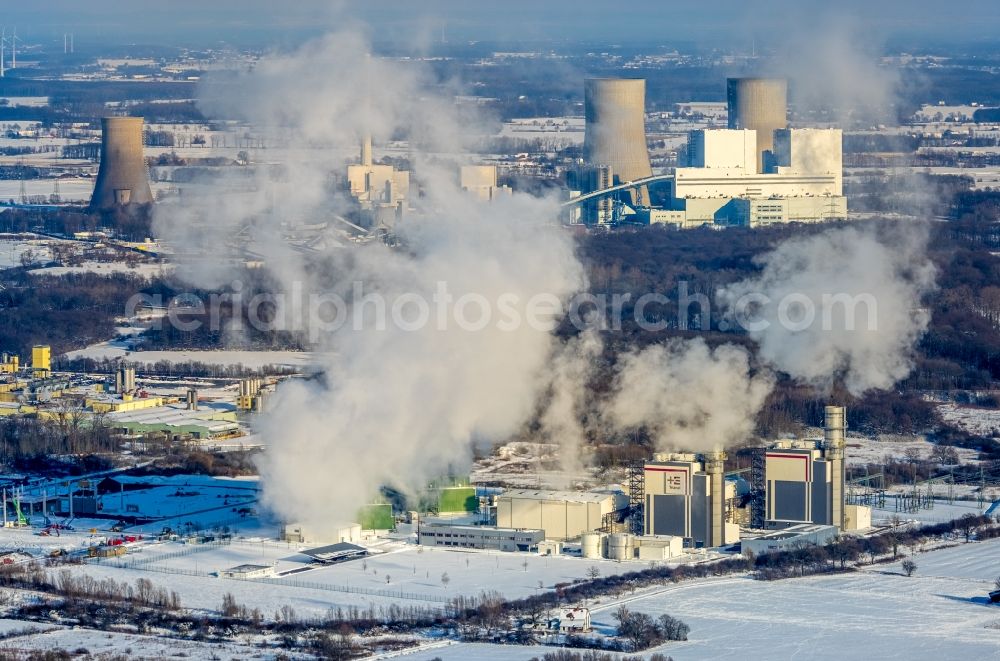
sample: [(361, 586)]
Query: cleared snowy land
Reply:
[(877, 613), (413, 573), (120, 348)]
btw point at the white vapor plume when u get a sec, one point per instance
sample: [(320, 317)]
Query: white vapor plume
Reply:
[(400, 404), (687, 395), (834, 69), (571, 368), (845, 304)]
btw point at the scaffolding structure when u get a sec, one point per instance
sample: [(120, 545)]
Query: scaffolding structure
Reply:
[(637, 497), (758, 487)]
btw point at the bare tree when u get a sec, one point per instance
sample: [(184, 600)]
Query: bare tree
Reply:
[(909, 567), (445, 580), (593, 572)]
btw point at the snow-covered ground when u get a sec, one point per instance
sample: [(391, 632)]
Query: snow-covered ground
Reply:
[(103, 644), (144, 269), (118, 348), (861, 450), (975, 420)]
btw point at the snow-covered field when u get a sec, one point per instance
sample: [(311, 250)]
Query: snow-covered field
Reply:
[(145, 269), (861, 450), (938, 613), (117, 348), (414, 572), (974, 420)]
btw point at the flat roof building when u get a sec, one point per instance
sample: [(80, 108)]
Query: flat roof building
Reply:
[(480, 537)]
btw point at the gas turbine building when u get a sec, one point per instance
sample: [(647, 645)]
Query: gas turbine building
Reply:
[(122, 179)]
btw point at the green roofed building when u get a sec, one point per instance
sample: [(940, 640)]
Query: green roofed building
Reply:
[(452, 500), (377, 517)]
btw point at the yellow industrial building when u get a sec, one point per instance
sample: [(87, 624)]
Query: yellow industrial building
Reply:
[(41, 361), (561, 515)]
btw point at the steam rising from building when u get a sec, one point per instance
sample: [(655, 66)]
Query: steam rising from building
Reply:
[(399, 403), (122, 178)]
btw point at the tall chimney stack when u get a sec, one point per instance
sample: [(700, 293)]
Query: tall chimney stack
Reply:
[(834, 427)]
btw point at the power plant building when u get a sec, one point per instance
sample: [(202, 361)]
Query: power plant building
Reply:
[(685, 495), (805, 479), (380, 190), (561, 515), (122, 178), (615, 132), (761, 105), (721, 184), (481, 182)]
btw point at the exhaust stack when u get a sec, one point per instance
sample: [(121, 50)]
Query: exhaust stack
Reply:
[(834, 443)]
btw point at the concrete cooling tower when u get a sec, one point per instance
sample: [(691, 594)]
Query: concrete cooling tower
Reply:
[(616, 130), (760, 104), (122, 178)]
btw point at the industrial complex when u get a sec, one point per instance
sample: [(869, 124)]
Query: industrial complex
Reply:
[(758, 171)]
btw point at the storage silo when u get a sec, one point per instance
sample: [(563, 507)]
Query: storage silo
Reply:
[(621, 546), (760, 104), (592, 545), (615, 136), (122, 179)]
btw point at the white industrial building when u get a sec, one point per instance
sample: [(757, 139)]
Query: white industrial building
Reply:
[(380, 190), (790, 538), (481, 182), (721, 185), (561, 515), (299, 533)]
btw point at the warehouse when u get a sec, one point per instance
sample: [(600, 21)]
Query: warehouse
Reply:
[(790, 538), (480, 537), (561, 515)]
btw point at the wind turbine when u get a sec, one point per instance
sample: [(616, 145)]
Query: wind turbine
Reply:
[(13, 49), (3, 45)]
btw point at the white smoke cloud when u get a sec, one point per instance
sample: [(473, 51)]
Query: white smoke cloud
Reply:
[(689, 396), (571, 368), (399, 405), (813, 283)]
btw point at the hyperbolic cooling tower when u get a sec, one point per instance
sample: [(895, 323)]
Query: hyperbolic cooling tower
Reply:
[(616, 130), (122, 179), (760, 104)]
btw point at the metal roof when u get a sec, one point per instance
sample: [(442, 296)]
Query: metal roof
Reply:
[(571, 496)]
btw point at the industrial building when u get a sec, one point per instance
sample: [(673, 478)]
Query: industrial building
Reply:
[(479, 537), (381, 191), (122, 178), (300, 533), (481, 182), (805, 479), (214, 420), (761, 105), (561, 515), (757, 172), (722, 184), (790, 538), (685, 496), (41, 361)]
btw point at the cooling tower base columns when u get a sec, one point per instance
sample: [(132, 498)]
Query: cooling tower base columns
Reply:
[(122, 179)]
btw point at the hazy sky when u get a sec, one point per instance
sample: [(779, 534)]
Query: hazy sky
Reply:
[(712, 23)]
